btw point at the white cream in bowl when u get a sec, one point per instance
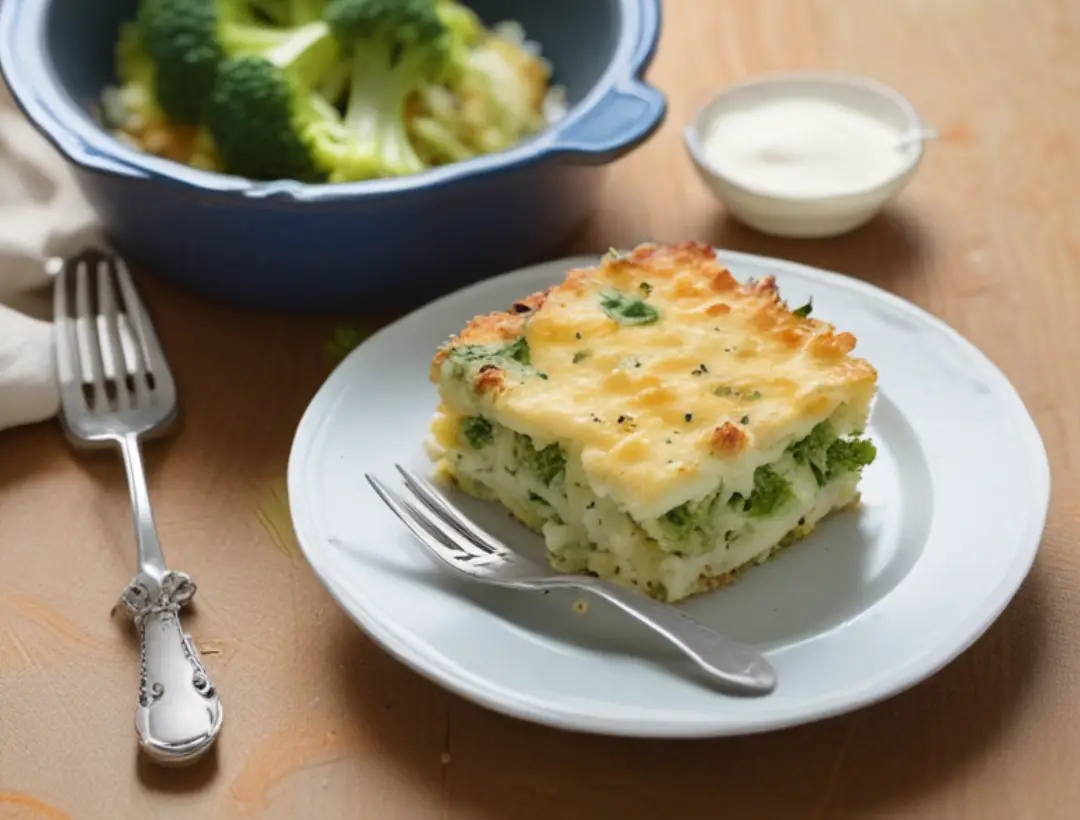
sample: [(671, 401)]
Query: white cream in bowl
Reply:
[(810, 154)]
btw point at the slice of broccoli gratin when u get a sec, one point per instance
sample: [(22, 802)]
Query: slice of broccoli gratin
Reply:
[(660, 423)]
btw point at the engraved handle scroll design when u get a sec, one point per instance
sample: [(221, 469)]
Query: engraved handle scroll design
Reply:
[(179, 712)]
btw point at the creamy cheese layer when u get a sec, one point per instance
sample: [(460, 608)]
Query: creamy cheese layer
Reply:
[(660, 373)]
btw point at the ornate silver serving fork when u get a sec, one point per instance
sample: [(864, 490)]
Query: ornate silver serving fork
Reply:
[(115, 387)]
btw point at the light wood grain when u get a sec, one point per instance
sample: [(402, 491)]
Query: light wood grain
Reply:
[(321, 723)]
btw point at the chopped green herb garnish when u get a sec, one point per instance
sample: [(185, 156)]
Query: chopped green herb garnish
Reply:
[(744, 420), (754, 396), (518, 350), (804, 311), (581, 355), (627, 310), (646, 288), (513, 355), (723, 391)]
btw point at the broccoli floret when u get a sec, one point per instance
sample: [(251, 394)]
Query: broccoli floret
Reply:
[(131, 102), (288, 13), (464, 25), (188, 39), (813, 451), (181, 37), (262, 109), (690, 518), (771, 491), (394, 47), (545, 464), (133, 64), (478, 431), (850, 455)]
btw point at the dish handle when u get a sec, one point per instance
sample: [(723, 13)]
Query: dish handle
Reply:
[(631, 110)]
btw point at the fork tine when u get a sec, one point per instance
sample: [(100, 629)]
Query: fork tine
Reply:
[(433, 500), (148, 344), (132, 354), (407, 513), (68, 367), (112, 354), (92, 370), (447, 533)]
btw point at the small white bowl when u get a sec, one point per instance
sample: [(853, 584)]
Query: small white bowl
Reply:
[(808, 216)]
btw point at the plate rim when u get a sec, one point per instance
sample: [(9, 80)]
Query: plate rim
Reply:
[(517, 704)]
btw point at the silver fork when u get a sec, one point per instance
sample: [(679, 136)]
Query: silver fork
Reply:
[(467, 550), (116, 386)]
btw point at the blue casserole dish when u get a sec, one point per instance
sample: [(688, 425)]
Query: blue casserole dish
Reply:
[(286, 246)]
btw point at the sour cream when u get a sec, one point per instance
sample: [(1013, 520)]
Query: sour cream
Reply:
[(804, 147)]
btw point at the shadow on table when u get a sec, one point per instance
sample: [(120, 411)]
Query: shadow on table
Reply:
[(889, 758), (889, 251), (198, 775)]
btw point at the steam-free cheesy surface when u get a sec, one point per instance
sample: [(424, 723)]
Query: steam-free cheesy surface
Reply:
[(659, 372)]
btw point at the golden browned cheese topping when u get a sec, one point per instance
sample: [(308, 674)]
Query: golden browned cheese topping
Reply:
[(660, 370)]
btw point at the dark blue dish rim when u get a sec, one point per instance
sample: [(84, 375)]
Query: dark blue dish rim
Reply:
[(618, 114)]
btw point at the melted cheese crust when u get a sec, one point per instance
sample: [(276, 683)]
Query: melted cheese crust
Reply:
[(660, 413)]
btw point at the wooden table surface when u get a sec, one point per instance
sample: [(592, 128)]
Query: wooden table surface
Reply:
[(321, 723)]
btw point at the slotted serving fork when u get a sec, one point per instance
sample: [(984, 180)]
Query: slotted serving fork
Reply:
[(116, 387), (464, 548)]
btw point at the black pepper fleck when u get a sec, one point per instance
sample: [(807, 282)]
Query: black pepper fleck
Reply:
[(577, 335), (689, 417)]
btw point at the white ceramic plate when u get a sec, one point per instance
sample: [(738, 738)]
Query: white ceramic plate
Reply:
[(873, 602)]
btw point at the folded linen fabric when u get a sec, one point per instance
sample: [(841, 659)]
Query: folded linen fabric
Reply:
[(43, 216)]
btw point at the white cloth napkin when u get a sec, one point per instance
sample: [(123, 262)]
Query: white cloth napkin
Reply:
[(42, 215)]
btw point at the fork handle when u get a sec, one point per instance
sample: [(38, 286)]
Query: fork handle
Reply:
[(729, 662), (179, 714)]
